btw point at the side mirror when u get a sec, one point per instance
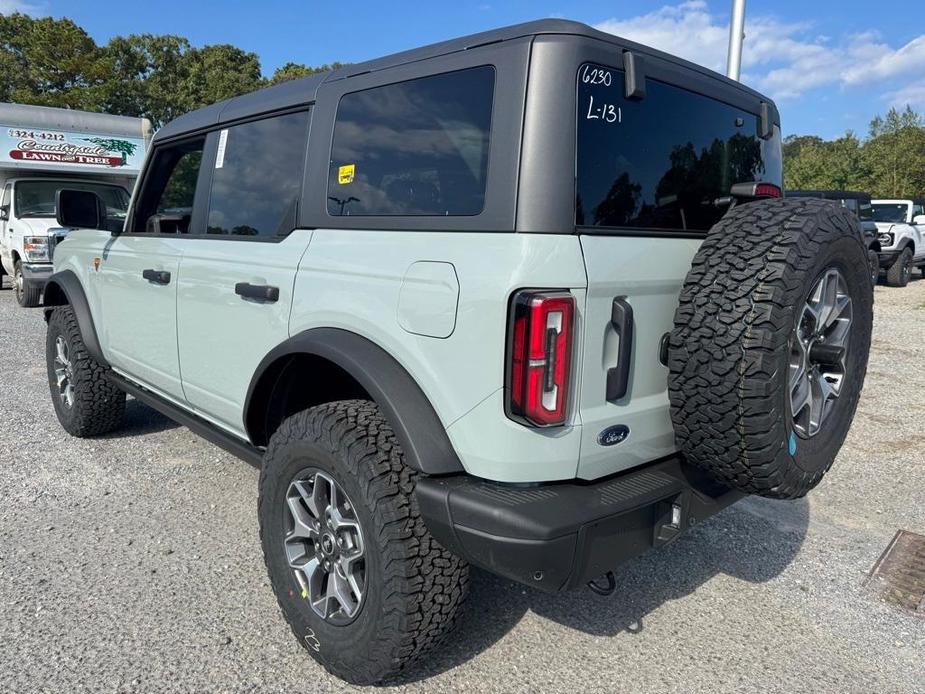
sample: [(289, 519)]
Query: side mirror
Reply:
[(918, 219), (5, 213), (81, 209)]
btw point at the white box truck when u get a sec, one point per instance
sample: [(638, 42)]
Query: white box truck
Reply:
[(44, 149)]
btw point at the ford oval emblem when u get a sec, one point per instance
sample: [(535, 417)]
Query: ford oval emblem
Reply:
[(611, 436)]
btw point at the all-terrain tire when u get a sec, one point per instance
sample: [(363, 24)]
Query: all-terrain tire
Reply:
[(97, 405), (414, 585), (873, 259), (898, 274), (729, 351), (27, 297)]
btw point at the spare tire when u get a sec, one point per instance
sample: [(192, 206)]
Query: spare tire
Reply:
[(770, 342)]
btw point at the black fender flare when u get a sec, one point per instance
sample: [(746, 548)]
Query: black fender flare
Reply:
[(64, 288), (419, 430)]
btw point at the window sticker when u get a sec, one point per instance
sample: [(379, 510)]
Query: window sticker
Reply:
[(222, 143), (345, 174)]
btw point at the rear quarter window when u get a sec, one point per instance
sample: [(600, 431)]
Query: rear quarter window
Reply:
[(661, 162), (413, 148)]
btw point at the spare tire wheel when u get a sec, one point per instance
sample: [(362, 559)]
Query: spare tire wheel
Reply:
[(770, 342)]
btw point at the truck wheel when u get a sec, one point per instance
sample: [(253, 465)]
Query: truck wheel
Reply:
[(27, 297), (769, 349), (898, 274), (86, 402), (873, 259), (362, 583)]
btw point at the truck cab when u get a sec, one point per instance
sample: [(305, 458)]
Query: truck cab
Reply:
[(29, 232), (901, 232), (43, 150)]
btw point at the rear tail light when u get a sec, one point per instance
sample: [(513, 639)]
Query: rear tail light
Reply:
[(767, 190), (756, 189), (540, 356)]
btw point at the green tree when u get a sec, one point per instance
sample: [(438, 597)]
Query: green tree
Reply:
[(836, 165), (50, 62), (215, 73), (293, 71), (793, 144), (895, 152), (146, 76), (889, 163)]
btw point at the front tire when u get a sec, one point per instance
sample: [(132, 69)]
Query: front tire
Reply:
[(85, 401), (898, 274), (358, 577), (26, 296)]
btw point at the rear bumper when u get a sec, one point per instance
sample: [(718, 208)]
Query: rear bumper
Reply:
[(36, 274), (558, 536)]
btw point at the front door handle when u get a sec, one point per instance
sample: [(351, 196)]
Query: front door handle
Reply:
[(618, 378), (259, 292), (156, 276)]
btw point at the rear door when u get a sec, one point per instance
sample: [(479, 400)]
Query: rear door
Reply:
[(237, 273), (651, 176)]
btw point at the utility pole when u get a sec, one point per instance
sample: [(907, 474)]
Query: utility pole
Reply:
[(736, 37)]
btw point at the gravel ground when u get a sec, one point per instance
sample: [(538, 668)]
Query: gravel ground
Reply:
[(132, 563)]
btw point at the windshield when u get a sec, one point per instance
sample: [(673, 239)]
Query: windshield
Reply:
[(37, 198), (894, 212)]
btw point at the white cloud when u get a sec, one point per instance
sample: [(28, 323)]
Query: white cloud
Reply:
[(11, 6), (911, 94), (874, 60), (784, 59)]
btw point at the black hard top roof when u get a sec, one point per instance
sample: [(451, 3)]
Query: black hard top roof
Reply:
[(303, 91), (829, 194)]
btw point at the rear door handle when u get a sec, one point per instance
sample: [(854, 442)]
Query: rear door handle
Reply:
[(156, 276), (260, 292), (618, 378)]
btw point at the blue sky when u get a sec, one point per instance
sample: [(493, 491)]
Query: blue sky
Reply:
[(830, 64)]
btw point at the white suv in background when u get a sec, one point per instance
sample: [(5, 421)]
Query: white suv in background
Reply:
[(900, 227)]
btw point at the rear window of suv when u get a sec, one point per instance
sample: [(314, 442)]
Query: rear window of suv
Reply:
[(413, 148), (661, 162)]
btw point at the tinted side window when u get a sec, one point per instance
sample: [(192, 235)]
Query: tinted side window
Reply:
[(165, 204), (662, 162), (865, 211), (413, 148), (257, 177), (181, 186)]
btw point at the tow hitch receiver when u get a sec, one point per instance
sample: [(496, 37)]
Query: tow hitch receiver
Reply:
[(607, 590)]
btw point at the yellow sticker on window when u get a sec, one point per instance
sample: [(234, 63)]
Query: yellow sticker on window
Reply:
[(345, 174)]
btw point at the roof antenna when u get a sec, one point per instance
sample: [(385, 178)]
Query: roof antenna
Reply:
[(736, 38)]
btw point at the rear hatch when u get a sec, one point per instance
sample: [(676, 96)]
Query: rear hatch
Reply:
[(651, 176)]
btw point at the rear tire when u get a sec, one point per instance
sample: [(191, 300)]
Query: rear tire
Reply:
[(27, 297), (85, 400), (741, 345), (405, 595), (898, 274)]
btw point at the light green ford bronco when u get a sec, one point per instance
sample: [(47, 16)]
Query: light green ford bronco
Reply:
[(528, 300)]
